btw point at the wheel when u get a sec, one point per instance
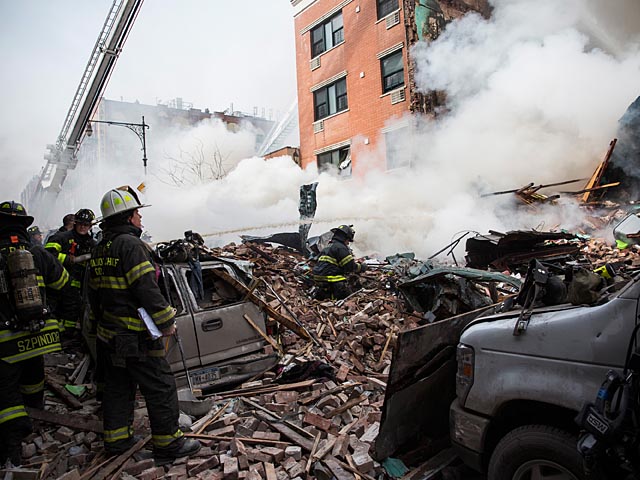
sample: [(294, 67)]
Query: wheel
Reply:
[(536, 452)]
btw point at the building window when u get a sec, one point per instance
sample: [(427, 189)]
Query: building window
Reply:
[(330, 99), (398, 148), (385, 7), (327, 35), (339, 159), (392, 71)]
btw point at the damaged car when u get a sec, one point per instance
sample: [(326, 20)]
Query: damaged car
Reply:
[(505, 384), (220, 346)]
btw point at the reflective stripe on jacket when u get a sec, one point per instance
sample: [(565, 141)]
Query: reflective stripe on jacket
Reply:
[(335, 261), (122, 278)]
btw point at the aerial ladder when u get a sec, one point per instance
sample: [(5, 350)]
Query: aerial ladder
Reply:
[(62, 156)]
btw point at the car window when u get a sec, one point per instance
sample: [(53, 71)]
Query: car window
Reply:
[(165, 281), (213, 292)]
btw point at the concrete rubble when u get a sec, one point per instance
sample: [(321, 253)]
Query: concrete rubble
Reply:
[(317, 417)]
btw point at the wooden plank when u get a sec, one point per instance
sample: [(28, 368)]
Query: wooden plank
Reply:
[(256, 391), (70, 420), (204, 436), (594, 181), (118, 461), (278, 317), (212, 418), (312, 453), (292, 435), (262, 334), (346, 406), (65, 395)]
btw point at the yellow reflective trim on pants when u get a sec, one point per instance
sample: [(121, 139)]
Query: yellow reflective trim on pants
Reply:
[(31, 389), (345, 260), (76, 283), (12, 413), (329, 278), (121, 433), (139, 270), (328, 259), (165, 440), (40, 279), (61, 282)]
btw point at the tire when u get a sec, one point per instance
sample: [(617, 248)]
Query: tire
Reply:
[(536, 452)]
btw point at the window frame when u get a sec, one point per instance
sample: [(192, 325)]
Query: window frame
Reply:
[(332, 99), (385, 6), (325, 165), (329, 35), (384, 77)]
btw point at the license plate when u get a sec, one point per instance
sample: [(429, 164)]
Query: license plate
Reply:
[(205, 376)]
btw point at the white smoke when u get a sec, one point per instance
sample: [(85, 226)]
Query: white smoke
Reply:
[(533, 95)]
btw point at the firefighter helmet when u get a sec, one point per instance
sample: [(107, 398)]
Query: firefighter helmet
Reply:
[(16, 210), (84, 215), (119, 200), (346, 231)]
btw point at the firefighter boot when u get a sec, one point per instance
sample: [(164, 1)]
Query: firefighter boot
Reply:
[(121, 446), (182, 447)]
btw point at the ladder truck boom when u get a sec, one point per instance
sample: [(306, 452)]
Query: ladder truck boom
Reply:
[(62, 156)]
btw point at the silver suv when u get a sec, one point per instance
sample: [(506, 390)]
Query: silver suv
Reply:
[(221, 347)]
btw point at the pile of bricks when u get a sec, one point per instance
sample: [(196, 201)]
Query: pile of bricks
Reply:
[(320, 425)]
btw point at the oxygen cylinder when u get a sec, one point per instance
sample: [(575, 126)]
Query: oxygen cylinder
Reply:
[(22, 270)]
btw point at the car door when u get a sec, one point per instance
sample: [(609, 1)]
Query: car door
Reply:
[(172, 288), (221, 329)]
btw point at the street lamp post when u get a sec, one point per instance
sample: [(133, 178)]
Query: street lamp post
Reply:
[(137, 128)]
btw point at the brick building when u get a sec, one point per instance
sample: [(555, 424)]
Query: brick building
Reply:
[(355, 76)]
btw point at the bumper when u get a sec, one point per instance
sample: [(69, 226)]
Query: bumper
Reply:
[(467, 432)]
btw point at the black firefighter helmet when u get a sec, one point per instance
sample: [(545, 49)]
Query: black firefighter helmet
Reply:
[(344, 231), (17, 211), (84, 215)]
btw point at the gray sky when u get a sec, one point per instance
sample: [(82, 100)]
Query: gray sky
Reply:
[(212, 53)]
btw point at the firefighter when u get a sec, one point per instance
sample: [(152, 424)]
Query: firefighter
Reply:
[(24, 337), (67, 224), (70, 246), (122, 279), (36, 235), (334, 263)]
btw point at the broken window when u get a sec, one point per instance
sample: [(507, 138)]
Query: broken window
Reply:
[(385, 7), (340, 158), (166, 281), (330, 99), (392, 71), (216, 292), (327, 35)]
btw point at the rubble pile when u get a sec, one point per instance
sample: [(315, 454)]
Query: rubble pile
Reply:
[(317, 415)]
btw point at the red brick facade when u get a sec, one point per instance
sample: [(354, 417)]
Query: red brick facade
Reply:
[(367, 40)]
